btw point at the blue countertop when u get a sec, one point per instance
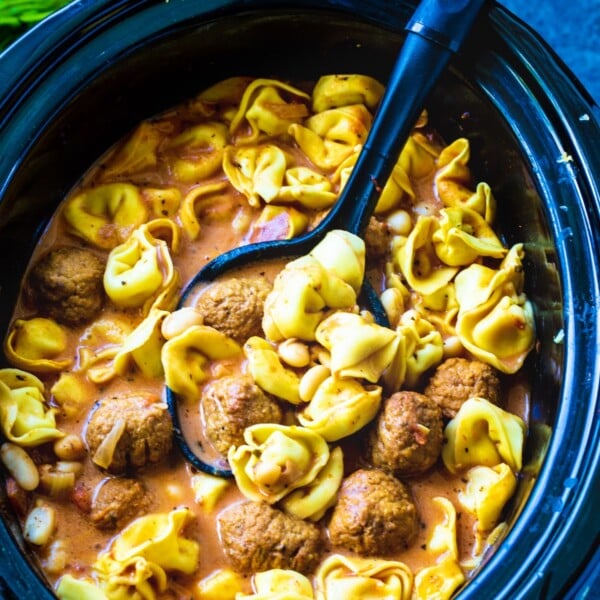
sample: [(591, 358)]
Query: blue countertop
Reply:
[(572, 29)]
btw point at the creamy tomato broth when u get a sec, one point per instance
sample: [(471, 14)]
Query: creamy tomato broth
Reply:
[(244, 161)]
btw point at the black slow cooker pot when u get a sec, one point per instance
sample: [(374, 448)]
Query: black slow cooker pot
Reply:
[(74, 85)]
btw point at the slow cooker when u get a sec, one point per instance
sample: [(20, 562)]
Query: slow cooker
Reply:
[(74, 85)]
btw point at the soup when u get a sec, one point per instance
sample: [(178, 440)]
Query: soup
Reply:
[(352, 456)]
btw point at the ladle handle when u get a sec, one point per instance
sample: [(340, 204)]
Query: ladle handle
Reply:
[(437, 29)]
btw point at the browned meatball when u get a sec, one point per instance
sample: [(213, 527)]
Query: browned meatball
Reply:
[(458, 379), (235, 306), (257, 537), (374, 514), (142, 425), (407, 436), (377, 239), (66, 284), (231, 404), (117, 501)]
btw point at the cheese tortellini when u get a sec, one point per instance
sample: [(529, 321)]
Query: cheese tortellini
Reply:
[(140, 271), (142, 555), (340, 407), (440, 580), (278, 459), (106, 214), (354, 578), (495, 319), (279, 584), (327, 278), (36, 344), (483, 434), (25, 417), (186, 356)]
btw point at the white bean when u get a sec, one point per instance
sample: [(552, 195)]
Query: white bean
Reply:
[(452, 347), (294, 353), (70, 447), (56, 561), (20, 466), (311, 380), (400, 222), (393, 303), (179, 321), (39, 525)]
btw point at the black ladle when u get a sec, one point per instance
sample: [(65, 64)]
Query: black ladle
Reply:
[(435, 32)]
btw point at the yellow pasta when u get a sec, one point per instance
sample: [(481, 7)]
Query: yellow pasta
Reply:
[(417, 259), (256, 171), (185, 356), (453, 180), (340, 407), (106, 214), (349, 578), (208, 489), (198, 151), (36, 344), (195, 199), (139, 153), (415, 161), (312, 501), (141, 270), (333, 91), (423, 346), (71, 588), (488, 489), (279, 584), (358, 348), (439, 581), (142, 347), (279, 222), (329, 137), (277, 459), (483, 434), (141, 556), (163, 202), (308, 286), (307, 187), (463, 236), (268, 372), (222, 99), (267, 113), (495, 319), (25, 417), (223, 584)]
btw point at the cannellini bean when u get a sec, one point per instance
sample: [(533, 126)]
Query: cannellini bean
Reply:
[(452, 347), (56, 560), (70, 447), (400, 222), (393, 303), (311, 380), (39, 525), (20, 466), (179, 321), (294, 353)]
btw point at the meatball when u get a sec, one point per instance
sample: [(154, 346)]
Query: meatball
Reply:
[(458, 379), (235, 306), (377, 239), (129, 431), (257, 537), (374, 514), (407, 436), (231, 404), (117, 501), (66, 284)]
